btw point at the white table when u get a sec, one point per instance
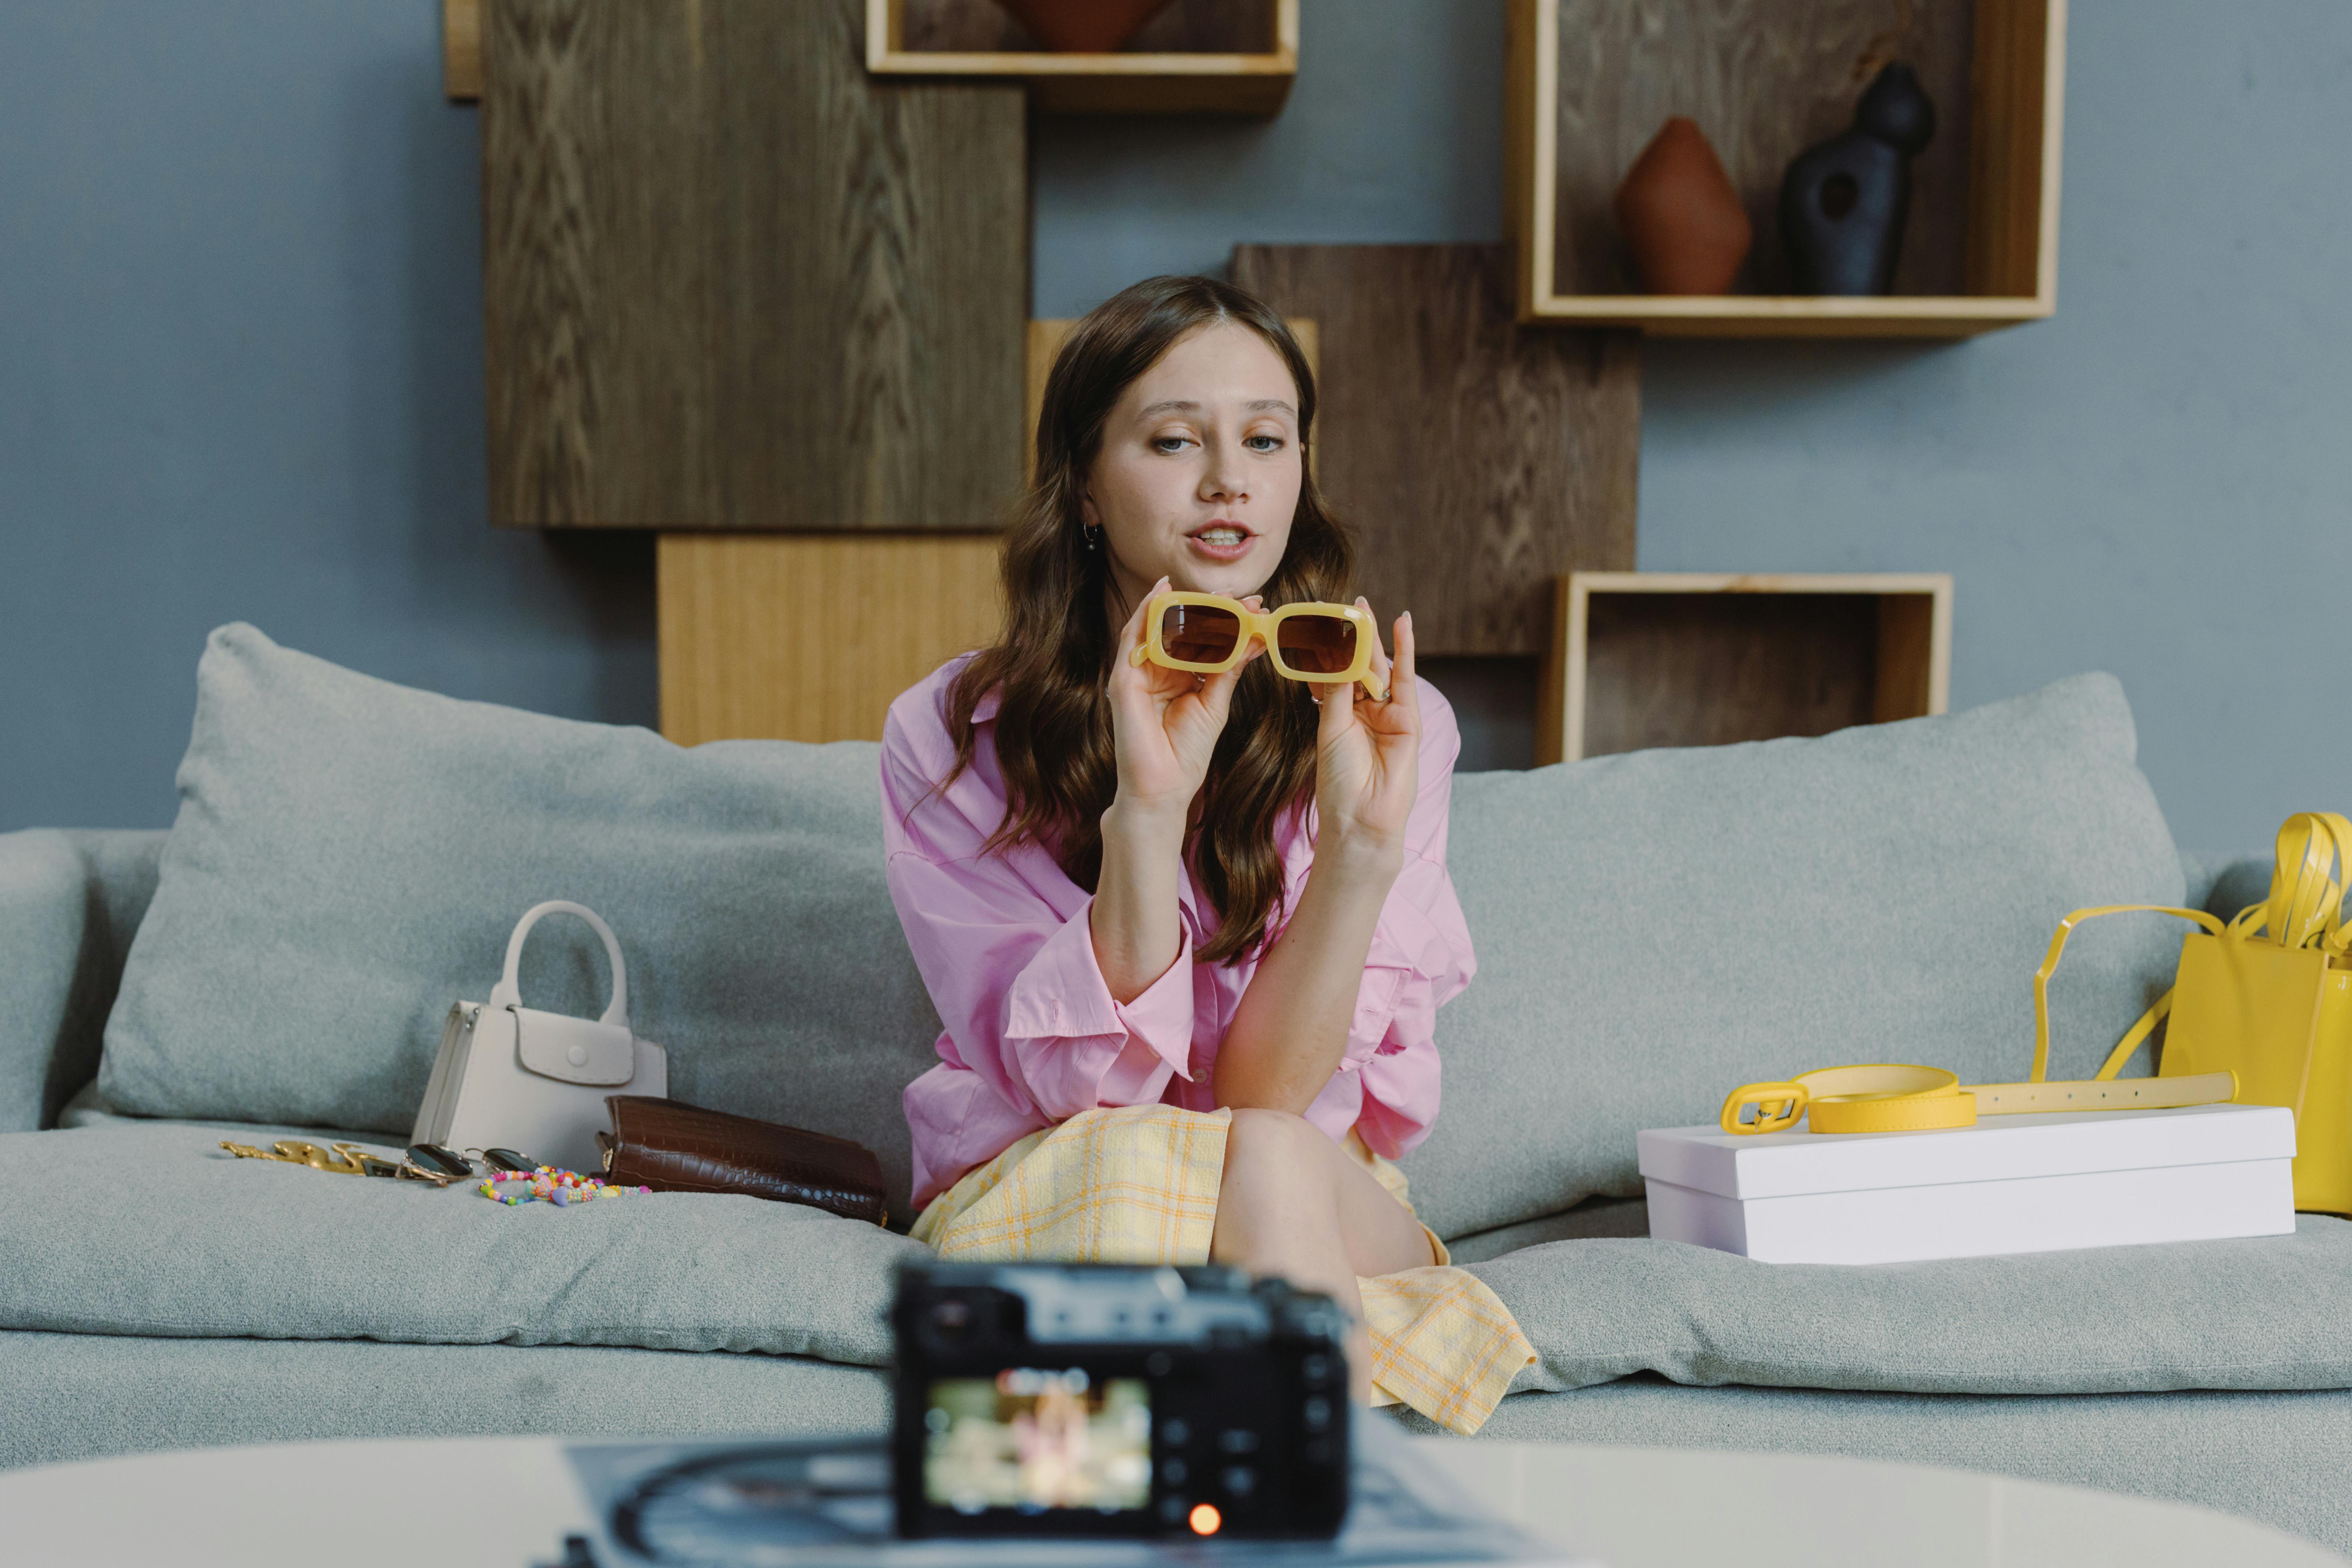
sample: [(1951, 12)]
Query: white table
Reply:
[(508, 1502)]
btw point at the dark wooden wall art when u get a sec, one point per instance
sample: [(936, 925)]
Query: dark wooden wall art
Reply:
[(732, 282), (1475, 458)]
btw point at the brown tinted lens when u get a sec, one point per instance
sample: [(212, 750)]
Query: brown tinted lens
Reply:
[(1199, 634), (1316, 645)]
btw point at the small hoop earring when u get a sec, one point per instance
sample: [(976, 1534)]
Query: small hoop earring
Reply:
[(1094, 539)]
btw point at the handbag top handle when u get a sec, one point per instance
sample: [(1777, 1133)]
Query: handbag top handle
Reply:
[(2305, 909), (507, 993)]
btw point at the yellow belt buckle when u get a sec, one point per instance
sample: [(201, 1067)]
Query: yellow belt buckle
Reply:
[(1778, 1106)]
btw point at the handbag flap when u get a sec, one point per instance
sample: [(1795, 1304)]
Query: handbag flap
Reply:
[(675, 1148), (573, 1050)]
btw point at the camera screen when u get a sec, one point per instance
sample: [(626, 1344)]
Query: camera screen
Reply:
[(1034, 1439)]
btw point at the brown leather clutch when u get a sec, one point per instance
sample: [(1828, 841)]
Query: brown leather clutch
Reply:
[(675, 1148)]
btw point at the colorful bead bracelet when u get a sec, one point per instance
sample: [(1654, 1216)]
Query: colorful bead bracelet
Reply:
[(548, 1185)]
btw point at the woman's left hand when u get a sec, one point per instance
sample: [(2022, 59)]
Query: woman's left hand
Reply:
[(1368, 770)]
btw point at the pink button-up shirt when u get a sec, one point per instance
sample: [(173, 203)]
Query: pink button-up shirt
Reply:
[(1033, 1036)]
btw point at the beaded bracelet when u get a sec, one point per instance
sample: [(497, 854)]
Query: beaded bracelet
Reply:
[(548, 1185)]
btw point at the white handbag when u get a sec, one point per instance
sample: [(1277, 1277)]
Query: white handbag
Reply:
[(515, 1078)]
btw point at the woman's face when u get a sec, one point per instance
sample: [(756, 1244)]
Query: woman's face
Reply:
[(1200, 469)]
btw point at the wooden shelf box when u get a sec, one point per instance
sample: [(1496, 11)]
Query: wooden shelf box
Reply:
[(1196, 57), (1591, 82), (1658, 658)]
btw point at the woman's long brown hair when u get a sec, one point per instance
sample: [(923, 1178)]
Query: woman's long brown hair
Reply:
[(1052, 666)]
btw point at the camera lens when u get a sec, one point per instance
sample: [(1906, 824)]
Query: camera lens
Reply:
[(951, 1319)]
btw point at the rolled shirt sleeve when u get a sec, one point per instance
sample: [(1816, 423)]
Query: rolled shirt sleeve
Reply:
[(1420, 959), (1074, 1047), (1009, 960)]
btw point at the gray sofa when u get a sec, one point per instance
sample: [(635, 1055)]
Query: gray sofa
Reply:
[(1651, 930)]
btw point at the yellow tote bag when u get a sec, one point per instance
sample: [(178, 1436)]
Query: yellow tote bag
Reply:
[(2268, 997)]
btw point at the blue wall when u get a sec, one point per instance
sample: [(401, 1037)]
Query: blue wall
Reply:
[(240, 377)]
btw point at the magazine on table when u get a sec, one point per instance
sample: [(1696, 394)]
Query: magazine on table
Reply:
[(811, 1503)]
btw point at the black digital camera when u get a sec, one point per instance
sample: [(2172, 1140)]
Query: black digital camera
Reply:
[(1038, 1399)]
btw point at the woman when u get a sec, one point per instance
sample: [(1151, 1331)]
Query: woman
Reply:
[(1188, 934)]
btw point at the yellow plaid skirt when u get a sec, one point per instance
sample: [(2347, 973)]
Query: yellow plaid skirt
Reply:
[(1138, 1184)]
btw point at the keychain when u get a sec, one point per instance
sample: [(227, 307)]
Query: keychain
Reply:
[(343, 1159)]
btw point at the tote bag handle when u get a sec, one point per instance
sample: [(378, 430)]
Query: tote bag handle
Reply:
[(2305, 906), (2147, 1020), (2305, 909), (507, 993)]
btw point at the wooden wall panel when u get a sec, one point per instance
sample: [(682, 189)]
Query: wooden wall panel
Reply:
[(1765, 79), (1475, 460), (792, 637), (732, 282)]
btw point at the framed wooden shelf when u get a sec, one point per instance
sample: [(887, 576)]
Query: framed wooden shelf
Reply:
[(1196, 57), (1591, 80), (1659, 659)]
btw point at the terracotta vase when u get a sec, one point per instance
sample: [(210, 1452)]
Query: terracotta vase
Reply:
[(1681, 216), (1082, 26)]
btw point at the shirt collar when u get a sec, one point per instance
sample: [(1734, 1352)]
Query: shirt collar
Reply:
[(990, 701)]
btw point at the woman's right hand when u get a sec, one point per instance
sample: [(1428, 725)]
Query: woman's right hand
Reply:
[(1165, 722)]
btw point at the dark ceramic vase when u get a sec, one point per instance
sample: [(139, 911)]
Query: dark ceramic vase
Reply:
[(1681, 216), (1082, 26), (1843, 202)]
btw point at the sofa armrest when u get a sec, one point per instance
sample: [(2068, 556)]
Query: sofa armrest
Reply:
[(2224, 884), (69, 904)]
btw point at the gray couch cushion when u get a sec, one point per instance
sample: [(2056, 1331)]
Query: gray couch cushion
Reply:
[(349, 857), (196, 1244), (1655, 929), (153, 1228), (2256, 1312), (90, 1396), (70, 901)]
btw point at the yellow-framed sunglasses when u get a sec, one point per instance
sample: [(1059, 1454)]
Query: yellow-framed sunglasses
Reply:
[(1209, 634)]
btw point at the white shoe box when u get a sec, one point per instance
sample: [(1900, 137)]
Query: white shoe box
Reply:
[(2040, 1182)]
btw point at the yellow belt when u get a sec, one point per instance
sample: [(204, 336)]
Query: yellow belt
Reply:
[(1897, 1097), (1888, 1097)]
